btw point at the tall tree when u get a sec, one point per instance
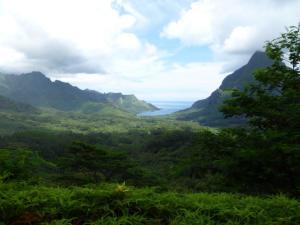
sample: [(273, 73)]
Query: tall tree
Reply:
[(271, 151), (87, 163), (273, 102)]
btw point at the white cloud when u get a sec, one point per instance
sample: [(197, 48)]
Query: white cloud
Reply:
[(233, 26), (154, 13), (68, 36), (241, 39), (190, 28), (128, 41), (189, 82)]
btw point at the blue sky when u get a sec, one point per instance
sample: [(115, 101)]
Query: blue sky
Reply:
[(172, 50)]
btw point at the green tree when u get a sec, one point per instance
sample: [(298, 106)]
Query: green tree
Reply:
[(21, 164), (90, 163), (271, 151), (273, 102)]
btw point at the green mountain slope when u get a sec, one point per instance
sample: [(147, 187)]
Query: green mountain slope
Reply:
[(206, 111), (7, 105), (129, 103), (36, 89), (15, 116)]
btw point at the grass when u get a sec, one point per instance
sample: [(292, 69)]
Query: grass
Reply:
[(118, 204)]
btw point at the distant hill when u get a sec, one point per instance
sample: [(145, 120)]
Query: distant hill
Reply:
[(37, 90), (206, 111), (7, 105)]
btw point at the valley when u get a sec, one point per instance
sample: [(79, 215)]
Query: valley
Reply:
[(79, 156)]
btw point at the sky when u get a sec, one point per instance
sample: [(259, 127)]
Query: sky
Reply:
[(171, 50)]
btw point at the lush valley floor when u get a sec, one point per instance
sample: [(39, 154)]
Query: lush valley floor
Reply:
[(65, 170)]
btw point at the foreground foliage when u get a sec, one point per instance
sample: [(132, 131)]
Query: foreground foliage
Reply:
[(119, 204)]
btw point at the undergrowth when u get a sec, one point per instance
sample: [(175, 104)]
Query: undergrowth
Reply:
[(111, 204)]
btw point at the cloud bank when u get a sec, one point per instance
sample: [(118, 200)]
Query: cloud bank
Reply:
[(124, 45)]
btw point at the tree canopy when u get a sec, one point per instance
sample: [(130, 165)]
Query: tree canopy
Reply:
[(273, 102), (270, 150)]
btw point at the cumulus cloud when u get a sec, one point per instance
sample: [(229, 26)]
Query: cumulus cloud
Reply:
[(233, 26), (67, 36), (154, 13)]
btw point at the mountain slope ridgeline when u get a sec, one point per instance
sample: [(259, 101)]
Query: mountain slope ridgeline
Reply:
[(206, 111), (37, 90)]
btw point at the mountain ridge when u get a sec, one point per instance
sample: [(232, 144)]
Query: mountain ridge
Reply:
[(206, 111), (38, 90)]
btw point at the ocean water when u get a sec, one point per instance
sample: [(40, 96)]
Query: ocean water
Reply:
[(167, 107)]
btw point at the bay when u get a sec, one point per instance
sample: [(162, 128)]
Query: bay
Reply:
[(167, 107)]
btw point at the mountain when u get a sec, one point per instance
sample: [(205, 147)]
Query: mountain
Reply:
[(129, 103), (206, 111), (7, 105), (36, 89)]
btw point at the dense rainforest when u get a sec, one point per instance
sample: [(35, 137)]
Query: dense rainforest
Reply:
[(96, 162)]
